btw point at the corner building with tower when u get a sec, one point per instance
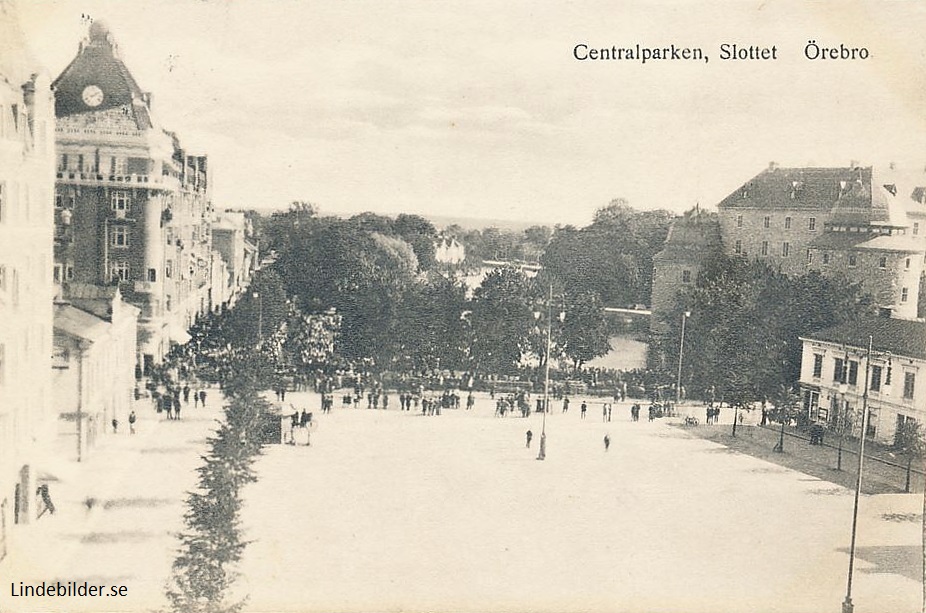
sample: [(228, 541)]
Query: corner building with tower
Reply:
[(132, 207)]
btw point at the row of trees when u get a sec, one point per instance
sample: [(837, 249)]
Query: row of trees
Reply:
[(407, 316)]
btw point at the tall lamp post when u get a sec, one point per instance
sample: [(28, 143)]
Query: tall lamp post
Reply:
[(847, 606), (681, 351), (260, 318), (546, 383)]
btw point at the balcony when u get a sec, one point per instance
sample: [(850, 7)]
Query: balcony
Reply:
[(91, 178)]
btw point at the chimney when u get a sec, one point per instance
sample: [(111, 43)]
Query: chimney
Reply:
[(853, 164), (773, 166)]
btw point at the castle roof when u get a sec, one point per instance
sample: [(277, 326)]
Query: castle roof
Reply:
[(803, 188)]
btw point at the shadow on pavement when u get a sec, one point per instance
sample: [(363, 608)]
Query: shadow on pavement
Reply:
[(904, 560)]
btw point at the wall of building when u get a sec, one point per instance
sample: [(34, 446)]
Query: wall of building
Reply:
[(26, 288), (884, 404), (748, 227), (901, 271)]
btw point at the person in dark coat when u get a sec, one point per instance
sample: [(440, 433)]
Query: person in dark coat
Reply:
[(607, 442), (202, 397), (530, 435)]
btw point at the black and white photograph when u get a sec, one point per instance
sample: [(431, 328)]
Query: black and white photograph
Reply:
[(409, 306)]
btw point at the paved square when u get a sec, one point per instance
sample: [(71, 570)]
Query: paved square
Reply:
[(392, 511)]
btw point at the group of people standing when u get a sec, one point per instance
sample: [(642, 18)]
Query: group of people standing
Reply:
[(174, 398)]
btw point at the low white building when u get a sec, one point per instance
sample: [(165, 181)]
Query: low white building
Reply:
[(833, 375), (93, 366)]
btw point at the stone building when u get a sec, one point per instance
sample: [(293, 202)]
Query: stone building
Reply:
[(833, 372), (855, 220), (692, 238), (862, 222), (132, 207), (27, 420)]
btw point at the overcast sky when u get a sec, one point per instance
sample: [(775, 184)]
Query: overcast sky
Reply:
[(478, 108)]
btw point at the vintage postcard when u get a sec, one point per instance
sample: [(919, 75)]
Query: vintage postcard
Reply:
[(408, 306)]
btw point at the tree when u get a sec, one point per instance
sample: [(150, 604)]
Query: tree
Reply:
[(431, 326), (585, 330), (501, 320), (613, 256)]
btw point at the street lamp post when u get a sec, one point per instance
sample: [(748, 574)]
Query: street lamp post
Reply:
[(847, 606), (841, 423), (681, 351), (546, 383)]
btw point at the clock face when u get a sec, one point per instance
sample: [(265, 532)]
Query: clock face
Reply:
[(92, 95)]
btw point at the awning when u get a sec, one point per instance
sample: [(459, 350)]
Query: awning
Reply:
[(178, 333)]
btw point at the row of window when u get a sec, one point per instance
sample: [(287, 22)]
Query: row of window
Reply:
[(119, 200), (767, 222), (847, 371), (811, 224), (764, 250)]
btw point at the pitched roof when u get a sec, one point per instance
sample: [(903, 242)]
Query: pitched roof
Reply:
[(901, 337), (839, 240), (694, 234), (803, 188), (895, 242), (79, 323)]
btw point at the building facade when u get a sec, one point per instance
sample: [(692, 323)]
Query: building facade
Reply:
[(833, 376), (26, 288), (93, 365), (232, 236), (132, 207)]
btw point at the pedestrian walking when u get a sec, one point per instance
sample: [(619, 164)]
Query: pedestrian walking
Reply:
[(202, 398), (565, 404), (177, 408), (530, 435), (470, 401), (607, 442), (169, 406), (604, 412), (584, 408), (132, 419), (195, 399), (115, 425), (609, 411), (186, 394)]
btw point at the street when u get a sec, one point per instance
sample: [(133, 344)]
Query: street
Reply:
[(397, 511)]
